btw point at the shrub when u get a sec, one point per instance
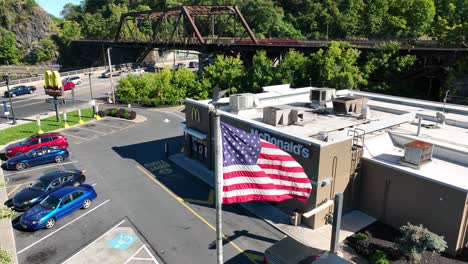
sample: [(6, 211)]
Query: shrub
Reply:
[(113, 111), (132, 115), (152, 102), (378, 257), (120, 113), (360, 236), (127, 115), (6, 213), (101, 113), (417, 239), (5, 257)]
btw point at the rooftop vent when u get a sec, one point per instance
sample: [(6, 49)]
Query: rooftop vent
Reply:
[(282, 115), (417, 153), (243, 101), (349, 104), (320, 96)]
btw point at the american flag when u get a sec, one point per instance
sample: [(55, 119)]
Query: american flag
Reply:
[(255, 169)]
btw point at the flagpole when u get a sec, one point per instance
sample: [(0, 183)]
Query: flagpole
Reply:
[(218, 170)]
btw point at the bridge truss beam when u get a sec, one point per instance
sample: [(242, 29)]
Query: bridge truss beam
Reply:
[(183, 25)]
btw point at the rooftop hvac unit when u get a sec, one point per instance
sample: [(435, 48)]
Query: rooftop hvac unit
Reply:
[(418, 152), (282, 115), (243, 101), (349, 104), (322, 95)]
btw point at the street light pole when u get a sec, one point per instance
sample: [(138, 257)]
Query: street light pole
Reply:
[(90, 87), (6, 78), (110, 75)]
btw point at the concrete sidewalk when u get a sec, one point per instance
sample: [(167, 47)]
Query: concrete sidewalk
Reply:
[(7, 239), (319, 238)]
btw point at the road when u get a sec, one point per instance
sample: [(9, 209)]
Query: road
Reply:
[(26, 106), (171, 209)]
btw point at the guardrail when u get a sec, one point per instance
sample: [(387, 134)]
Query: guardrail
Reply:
[(65, 74)]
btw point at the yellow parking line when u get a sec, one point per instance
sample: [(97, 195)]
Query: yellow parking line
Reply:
[(12, 191), (82, 138), (106, 125), (181, 201), (19, 184)]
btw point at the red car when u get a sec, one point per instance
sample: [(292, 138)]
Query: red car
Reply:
[(68, 85), (54, 139)]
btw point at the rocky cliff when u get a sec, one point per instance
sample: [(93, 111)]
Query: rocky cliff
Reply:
[(27, 20)]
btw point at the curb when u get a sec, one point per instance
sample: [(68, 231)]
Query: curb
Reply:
[(7, 239)]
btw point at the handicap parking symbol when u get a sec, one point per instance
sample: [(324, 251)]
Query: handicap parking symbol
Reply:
[(122, 241)]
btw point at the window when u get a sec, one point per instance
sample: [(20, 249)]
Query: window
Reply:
[(67, 178), (76, 195), (67, 199), (34, 142), (44, 140), (54, 138), (55, 183)]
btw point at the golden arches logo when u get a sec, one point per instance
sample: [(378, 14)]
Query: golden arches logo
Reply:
[(195, 114), (52, 83)]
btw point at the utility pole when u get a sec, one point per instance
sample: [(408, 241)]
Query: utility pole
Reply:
[(90, 87), (6, 78), (110, 75), (337, 212), (218, 169)]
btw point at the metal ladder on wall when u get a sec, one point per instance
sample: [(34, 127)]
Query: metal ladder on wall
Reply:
[(357, 150)]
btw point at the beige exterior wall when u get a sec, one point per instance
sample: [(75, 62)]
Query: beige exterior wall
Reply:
[(334, 162), (396, 197)]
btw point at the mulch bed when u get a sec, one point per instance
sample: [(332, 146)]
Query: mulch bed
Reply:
[(382, 237)]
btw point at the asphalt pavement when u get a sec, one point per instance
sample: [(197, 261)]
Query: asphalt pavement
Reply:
[(30, 105), (169, 209)]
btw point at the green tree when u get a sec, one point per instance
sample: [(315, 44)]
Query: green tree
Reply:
[(267, 20), (292, 69), (338, 67), (451, 23), (226, 72), (45, 50), (385, 61), (69, 30), (261, 73), (9, 53)]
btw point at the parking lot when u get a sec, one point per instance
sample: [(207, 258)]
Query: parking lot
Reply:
[(147, 210), (81, 226)]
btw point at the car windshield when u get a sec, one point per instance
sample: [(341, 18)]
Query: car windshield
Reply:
[(50, 202), (25, 142), (39, 185)]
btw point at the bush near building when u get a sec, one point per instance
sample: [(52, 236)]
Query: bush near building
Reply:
[(119, 113), (417, 239)]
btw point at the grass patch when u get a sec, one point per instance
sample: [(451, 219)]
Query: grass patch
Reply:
[(47, 124)]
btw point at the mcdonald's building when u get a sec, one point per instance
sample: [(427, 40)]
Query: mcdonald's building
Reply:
[(367, 146)]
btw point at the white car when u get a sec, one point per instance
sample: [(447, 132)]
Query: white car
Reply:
[(137, 71), (74, 79)]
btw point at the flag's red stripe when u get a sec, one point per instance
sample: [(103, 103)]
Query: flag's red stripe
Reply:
[(266, 144), (258, 197), (281, 168), (269, 186), (251, 174), (284, 157)]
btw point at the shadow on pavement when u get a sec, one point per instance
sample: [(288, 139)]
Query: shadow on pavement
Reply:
[(242, 233), (247, 257)]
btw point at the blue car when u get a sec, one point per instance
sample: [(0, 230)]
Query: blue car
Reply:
[(36, 156), (20, 90), (58, 205), (45, 185)]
